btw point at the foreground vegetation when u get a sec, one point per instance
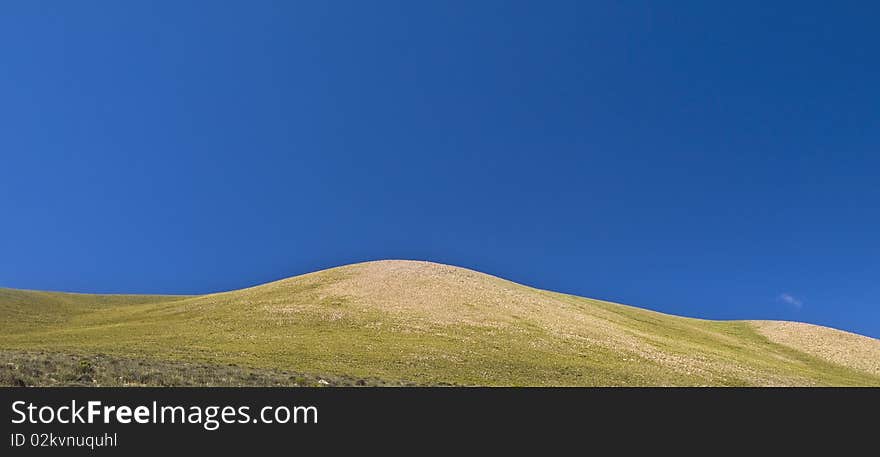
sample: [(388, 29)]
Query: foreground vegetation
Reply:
[(42, 369), (420, 322)]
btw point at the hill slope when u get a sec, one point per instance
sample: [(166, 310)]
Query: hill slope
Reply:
[(429, 323)]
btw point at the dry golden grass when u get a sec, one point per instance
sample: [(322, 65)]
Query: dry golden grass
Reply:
[(836, 346), (412, 321)]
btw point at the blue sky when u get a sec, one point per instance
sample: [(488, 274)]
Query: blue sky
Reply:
[(710, 160)]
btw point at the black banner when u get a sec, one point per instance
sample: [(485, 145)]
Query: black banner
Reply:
[(117, 421)]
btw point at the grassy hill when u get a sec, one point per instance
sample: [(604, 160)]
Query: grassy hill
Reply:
[(396, 322)]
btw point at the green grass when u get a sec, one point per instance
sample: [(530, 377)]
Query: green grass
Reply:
[(412, 322)]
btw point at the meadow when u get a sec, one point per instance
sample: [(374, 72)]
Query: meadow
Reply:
[(406, 323)]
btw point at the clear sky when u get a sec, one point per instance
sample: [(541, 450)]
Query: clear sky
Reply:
[(705, 159)]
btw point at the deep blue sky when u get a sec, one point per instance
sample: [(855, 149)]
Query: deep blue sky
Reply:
[(689, 157)]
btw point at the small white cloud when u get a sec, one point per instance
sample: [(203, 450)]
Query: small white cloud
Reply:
[(791, 300)]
